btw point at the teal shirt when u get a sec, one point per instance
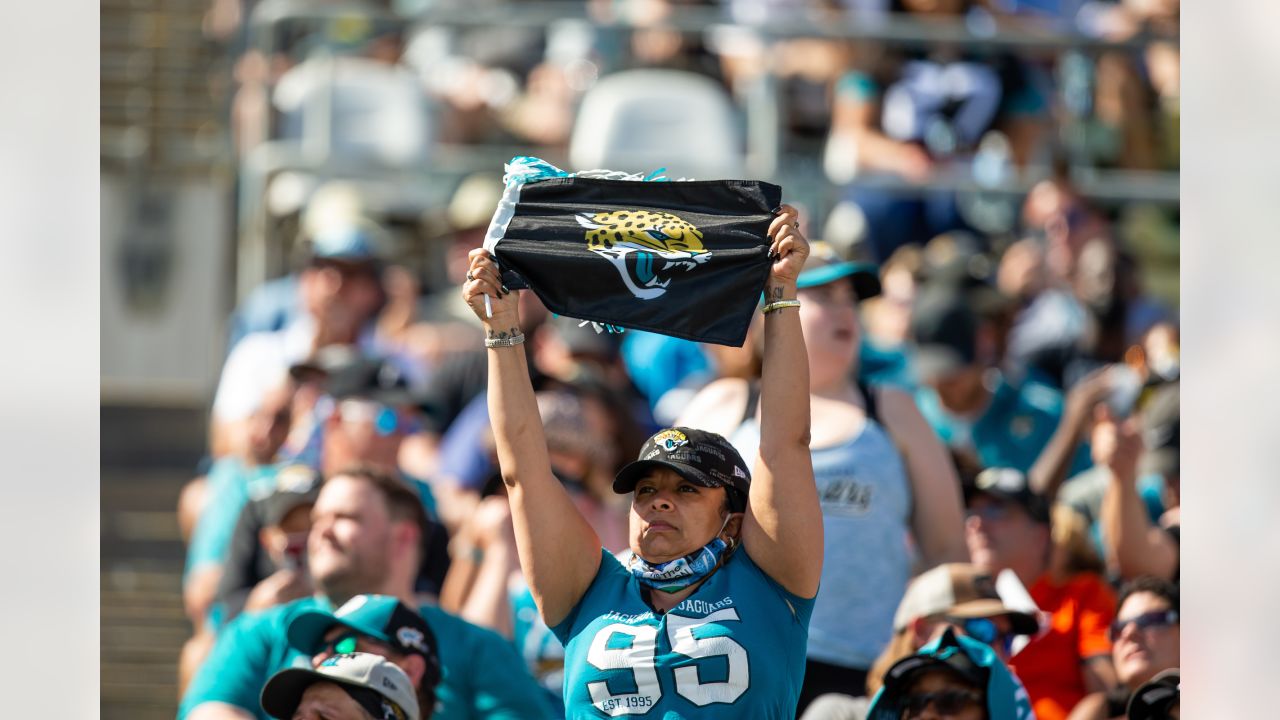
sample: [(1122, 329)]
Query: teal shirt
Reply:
[(542, 652), (482, 675), (1012, 431), (734, 648)]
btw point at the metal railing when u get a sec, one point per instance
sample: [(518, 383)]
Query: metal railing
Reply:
[(1021, 37)]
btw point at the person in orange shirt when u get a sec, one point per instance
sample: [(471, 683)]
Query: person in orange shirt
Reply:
[(1008, 528)]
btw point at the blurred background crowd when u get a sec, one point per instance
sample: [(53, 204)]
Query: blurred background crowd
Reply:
[(290, 188)]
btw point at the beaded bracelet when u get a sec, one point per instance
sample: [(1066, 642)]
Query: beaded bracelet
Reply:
[(779, 305), (510, 341)]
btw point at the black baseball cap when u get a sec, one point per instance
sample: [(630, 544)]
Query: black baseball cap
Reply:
[(1154, 699), (701, 457), (1010, 485), (948, 654), (295, 486), (945, 330), (369, 378)]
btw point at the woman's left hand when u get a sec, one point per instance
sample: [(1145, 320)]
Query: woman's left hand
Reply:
[(789, 247)]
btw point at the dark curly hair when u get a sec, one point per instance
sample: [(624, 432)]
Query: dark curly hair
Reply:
[(1149, 584)]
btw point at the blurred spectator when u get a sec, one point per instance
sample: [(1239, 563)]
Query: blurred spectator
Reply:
[(376, 624), (888, 315), (1073, 548), (883, 479), (983, 415), (367, 416), (352, 686), (958, 596), (1158, 699), (274, 304), (268, 567), (367, 536), (560, 354), (908, 114), (1155, 489), (1106, 284), (340, 292), (1062, 221), (1145, 637), (1008, 528), (658, 364), (954, 677), (464, 376), (225, 490), (475, 76), (462, 225), (1135, 545), (724, 362), (217, 500)]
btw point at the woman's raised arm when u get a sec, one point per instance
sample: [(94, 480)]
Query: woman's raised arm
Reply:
[(782, 531), (559, 552)]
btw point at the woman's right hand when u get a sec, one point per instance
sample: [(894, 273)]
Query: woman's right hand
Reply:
[(484, 279)]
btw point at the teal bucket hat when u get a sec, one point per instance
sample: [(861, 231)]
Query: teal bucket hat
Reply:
[(977, 663), (826, 266)]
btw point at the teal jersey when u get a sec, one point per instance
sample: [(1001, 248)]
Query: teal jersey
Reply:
[(482, 675), (1012, 431), (734, 648), (542, 652)]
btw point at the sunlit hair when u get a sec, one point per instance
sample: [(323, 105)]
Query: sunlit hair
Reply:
[(1071, 539), (901, 645), (402, 502)]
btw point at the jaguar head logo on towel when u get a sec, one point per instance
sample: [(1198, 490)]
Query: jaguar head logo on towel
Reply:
[(646, 247)]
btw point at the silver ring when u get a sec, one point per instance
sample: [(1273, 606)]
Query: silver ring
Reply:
[(470, 276)]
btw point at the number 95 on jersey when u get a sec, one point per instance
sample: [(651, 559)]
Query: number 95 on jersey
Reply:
[(641, 665)]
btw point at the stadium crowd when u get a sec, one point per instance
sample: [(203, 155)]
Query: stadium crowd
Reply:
[(994, 403)]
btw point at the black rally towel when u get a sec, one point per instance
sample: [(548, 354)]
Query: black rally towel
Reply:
[(683, 258)]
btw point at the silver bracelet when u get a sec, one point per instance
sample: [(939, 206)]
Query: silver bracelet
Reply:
[(779, 305), (509, 341)]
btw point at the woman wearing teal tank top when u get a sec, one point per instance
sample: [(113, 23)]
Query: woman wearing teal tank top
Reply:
[(884, 480), (709, 616)]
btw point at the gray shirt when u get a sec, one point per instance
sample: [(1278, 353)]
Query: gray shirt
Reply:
[(866, 511)]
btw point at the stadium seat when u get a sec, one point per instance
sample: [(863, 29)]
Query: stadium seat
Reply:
[(353, 109), (643, 120)]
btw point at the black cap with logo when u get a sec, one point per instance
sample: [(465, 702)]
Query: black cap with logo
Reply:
[(945, 330), (1010, 485), (701, 457)]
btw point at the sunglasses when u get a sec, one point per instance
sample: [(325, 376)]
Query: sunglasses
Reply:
[(348, 642), (989, 513), (385, 419), (947, 702), (985, 630), (1153, 619)]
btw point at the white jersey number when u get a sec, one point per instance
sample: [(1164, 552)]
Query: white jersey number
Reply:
[(639, 658)]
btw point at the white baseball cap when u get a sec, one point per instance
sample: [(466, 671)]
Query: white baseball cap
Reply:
[(371, 680)]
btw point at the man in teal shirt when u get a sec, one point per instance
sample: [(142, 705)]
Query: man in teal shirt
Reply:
[(366, 537), (984, 418)]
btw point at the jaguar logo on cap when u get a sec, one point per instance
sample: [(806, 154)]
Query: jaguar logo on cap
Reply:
[(1006, 479), (669, 440)]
